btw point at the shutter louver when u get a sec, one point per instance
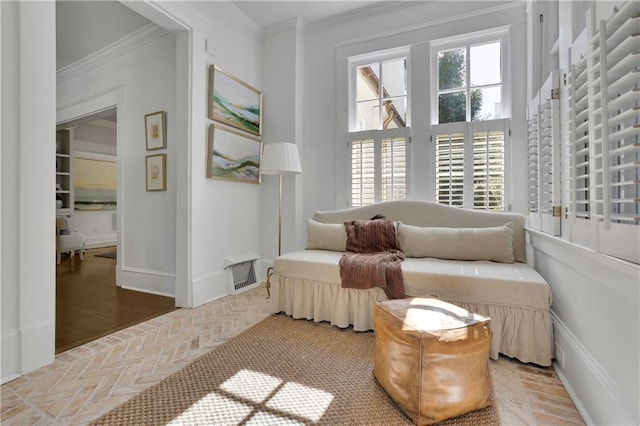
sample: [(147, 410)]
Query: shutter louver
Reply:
[(532, 142), (450, 169), (544, 158), (488, 170), (614, 78), (394, 169), (579, 134), (362, 172)]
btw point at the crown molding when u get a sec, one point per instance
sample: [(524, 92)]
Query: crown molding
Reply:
[(291, 24), (363, 12), (435, 22), (126, 44)]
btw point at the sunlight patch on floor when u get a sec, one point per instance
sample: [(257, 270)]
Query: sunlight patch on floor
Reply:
[(302, 401), (251, 385), (214, 409)]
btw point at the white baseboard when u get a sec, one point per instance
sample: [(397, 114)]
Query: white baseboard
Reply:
[(101, 241), (146, 280), (27, 349), (596, 395), (10, 355), (209, 287)]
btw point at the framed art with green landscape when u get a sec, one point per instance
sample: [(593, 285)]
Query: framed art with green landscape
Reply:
[(233, 155), (234, 102)]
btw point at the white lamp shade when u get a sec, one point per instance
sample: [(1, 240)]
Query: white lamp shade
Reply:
[(280, 158)]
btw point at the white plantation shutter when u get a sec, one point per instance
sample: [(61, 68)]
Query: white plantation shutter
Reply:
[(579, 134), (614, 105), (544, 155), (533, 170), (580, 228), (450, 169), (488, 170), (393, 169), (379, 166), (470, 164), (362, 172)]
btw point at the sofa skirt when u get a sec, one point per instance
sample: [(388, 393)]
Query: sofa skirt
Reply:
[(519, 332)]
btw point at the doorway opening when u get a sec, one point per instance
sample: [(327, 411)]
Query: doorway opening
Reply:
[(89, 304)]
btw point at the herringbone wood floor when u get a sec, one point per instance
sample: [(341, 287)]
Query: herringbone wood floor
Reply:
[(88, 381)]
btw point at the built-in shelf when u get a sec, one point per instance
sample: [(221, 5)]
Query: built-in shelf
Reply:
[(64, 191)]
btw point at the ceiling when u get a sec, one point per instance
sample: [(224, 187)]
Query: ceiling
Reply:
[(268, 12), (84, 27)]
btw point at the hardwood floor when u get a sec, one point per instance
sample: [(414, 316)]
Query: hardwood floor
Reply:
[(89, 305)]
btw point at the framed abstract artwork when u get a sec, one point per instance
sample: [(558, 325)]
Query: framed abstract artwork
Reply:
[(95, 182), (234, 102), (156, 130), (156, 171), (233, 155)]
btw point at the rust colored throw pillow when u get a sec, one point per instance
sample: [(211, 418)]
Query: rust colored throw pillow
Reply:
[(372, 236)]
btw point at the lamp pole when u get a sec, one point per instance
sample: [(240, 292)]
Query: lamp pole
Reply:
[(280, 216)]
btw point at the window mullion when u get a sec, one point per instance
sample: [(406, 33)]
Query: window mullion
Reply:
[(467, 80), (377, 167), (468, 167)]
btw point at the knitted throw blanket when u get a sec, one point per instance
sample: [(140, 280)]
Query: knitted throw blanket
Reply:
[(372, 257)]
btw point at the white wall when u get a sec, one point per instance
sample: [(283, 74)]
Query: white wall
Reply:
[(28, 182), (147, 220), (596, 316), (325, 156), (220, 218), (283, 85)]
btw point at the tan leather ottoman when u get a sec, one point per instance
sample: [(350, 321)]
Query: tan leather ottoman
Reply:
[(432, 357)]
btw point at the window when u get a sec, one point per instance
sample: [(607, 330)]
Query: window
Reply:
[(469, 130), (470, 83), (381, 95), (378, 128)]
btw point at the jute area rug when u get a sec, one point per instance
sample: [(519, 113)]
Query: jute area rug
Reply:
[(280, 371)]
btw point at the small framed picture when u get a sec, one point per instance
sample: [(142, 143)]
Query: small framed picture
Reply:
[(156, 170), (156, 130)]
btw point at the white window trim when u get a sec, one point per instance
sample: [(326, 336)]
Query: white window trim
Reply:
[(471, 39), (377, 135)]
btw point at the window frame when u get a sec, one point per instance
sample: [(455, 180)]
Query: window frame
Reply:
[(382, 56), (466, 41), (377, 135)]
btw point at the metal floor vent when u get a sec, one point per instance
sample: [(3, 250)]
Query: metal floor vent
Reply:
[(242, 272)]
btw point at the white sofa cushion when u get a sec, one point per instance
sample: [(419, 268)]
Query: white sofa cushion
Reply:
[(491, 243), (515, 284), (326, 236)]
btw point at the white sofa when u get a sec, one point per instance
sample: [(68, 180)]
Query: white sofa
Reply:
[(306, 283)]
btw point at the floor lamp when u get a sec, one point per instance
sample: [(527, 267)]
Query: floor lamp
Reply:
[(280, 159)]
